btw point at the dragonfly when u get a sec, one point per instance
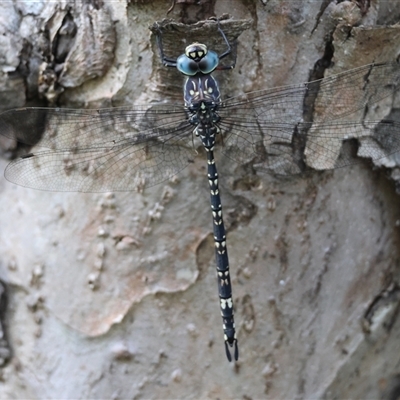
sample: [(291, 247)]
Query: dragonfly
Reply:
[(284, 131)]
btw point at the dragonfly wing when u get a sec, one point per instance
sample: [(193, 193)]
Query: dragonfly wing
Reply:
[(271, 125), (259, 127), (378, 140), (101, 150), (61, 128)]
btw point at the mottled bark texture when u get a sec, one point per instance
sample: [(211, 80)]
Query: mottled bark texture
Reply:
[(115, 296)]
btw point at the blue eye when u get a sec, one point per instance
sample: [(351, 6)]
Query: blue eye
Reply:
[(205, 65), (187, 66), (209, 62)]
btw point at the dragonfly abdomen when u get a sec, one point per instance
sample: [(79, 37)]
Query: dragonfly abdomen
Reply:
[(222, 261)]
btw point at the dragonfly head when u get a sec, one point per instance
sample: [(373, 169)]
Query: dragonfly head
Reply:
[(196, 51), (197, 59)]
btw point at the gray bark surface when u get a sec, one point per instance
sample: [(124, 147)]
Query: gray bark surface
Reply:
[(114, 295)]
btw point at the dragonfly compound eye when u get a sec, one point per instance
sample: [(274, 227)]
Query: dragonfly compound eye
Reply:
[(197, 59)]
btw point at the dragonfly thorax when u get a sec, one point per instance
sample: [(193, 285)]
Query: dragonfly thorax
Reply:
[(201, 93), (205, 118), (201, 89)]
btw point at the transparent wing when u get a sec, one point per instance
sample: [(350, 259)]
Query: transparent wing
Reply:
[(125, 148), (98, 150), (265, 124)]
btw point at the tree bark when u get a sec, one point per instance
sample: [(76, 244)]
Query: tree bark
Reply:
[(114, 295)]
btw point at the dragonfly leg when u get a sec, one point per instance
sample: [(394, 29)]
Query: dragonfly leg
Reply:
[(167, 61), (230, 49)]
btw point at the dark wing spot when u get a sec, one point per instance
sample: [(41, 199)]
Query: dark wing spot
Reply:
[(29, 155)]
